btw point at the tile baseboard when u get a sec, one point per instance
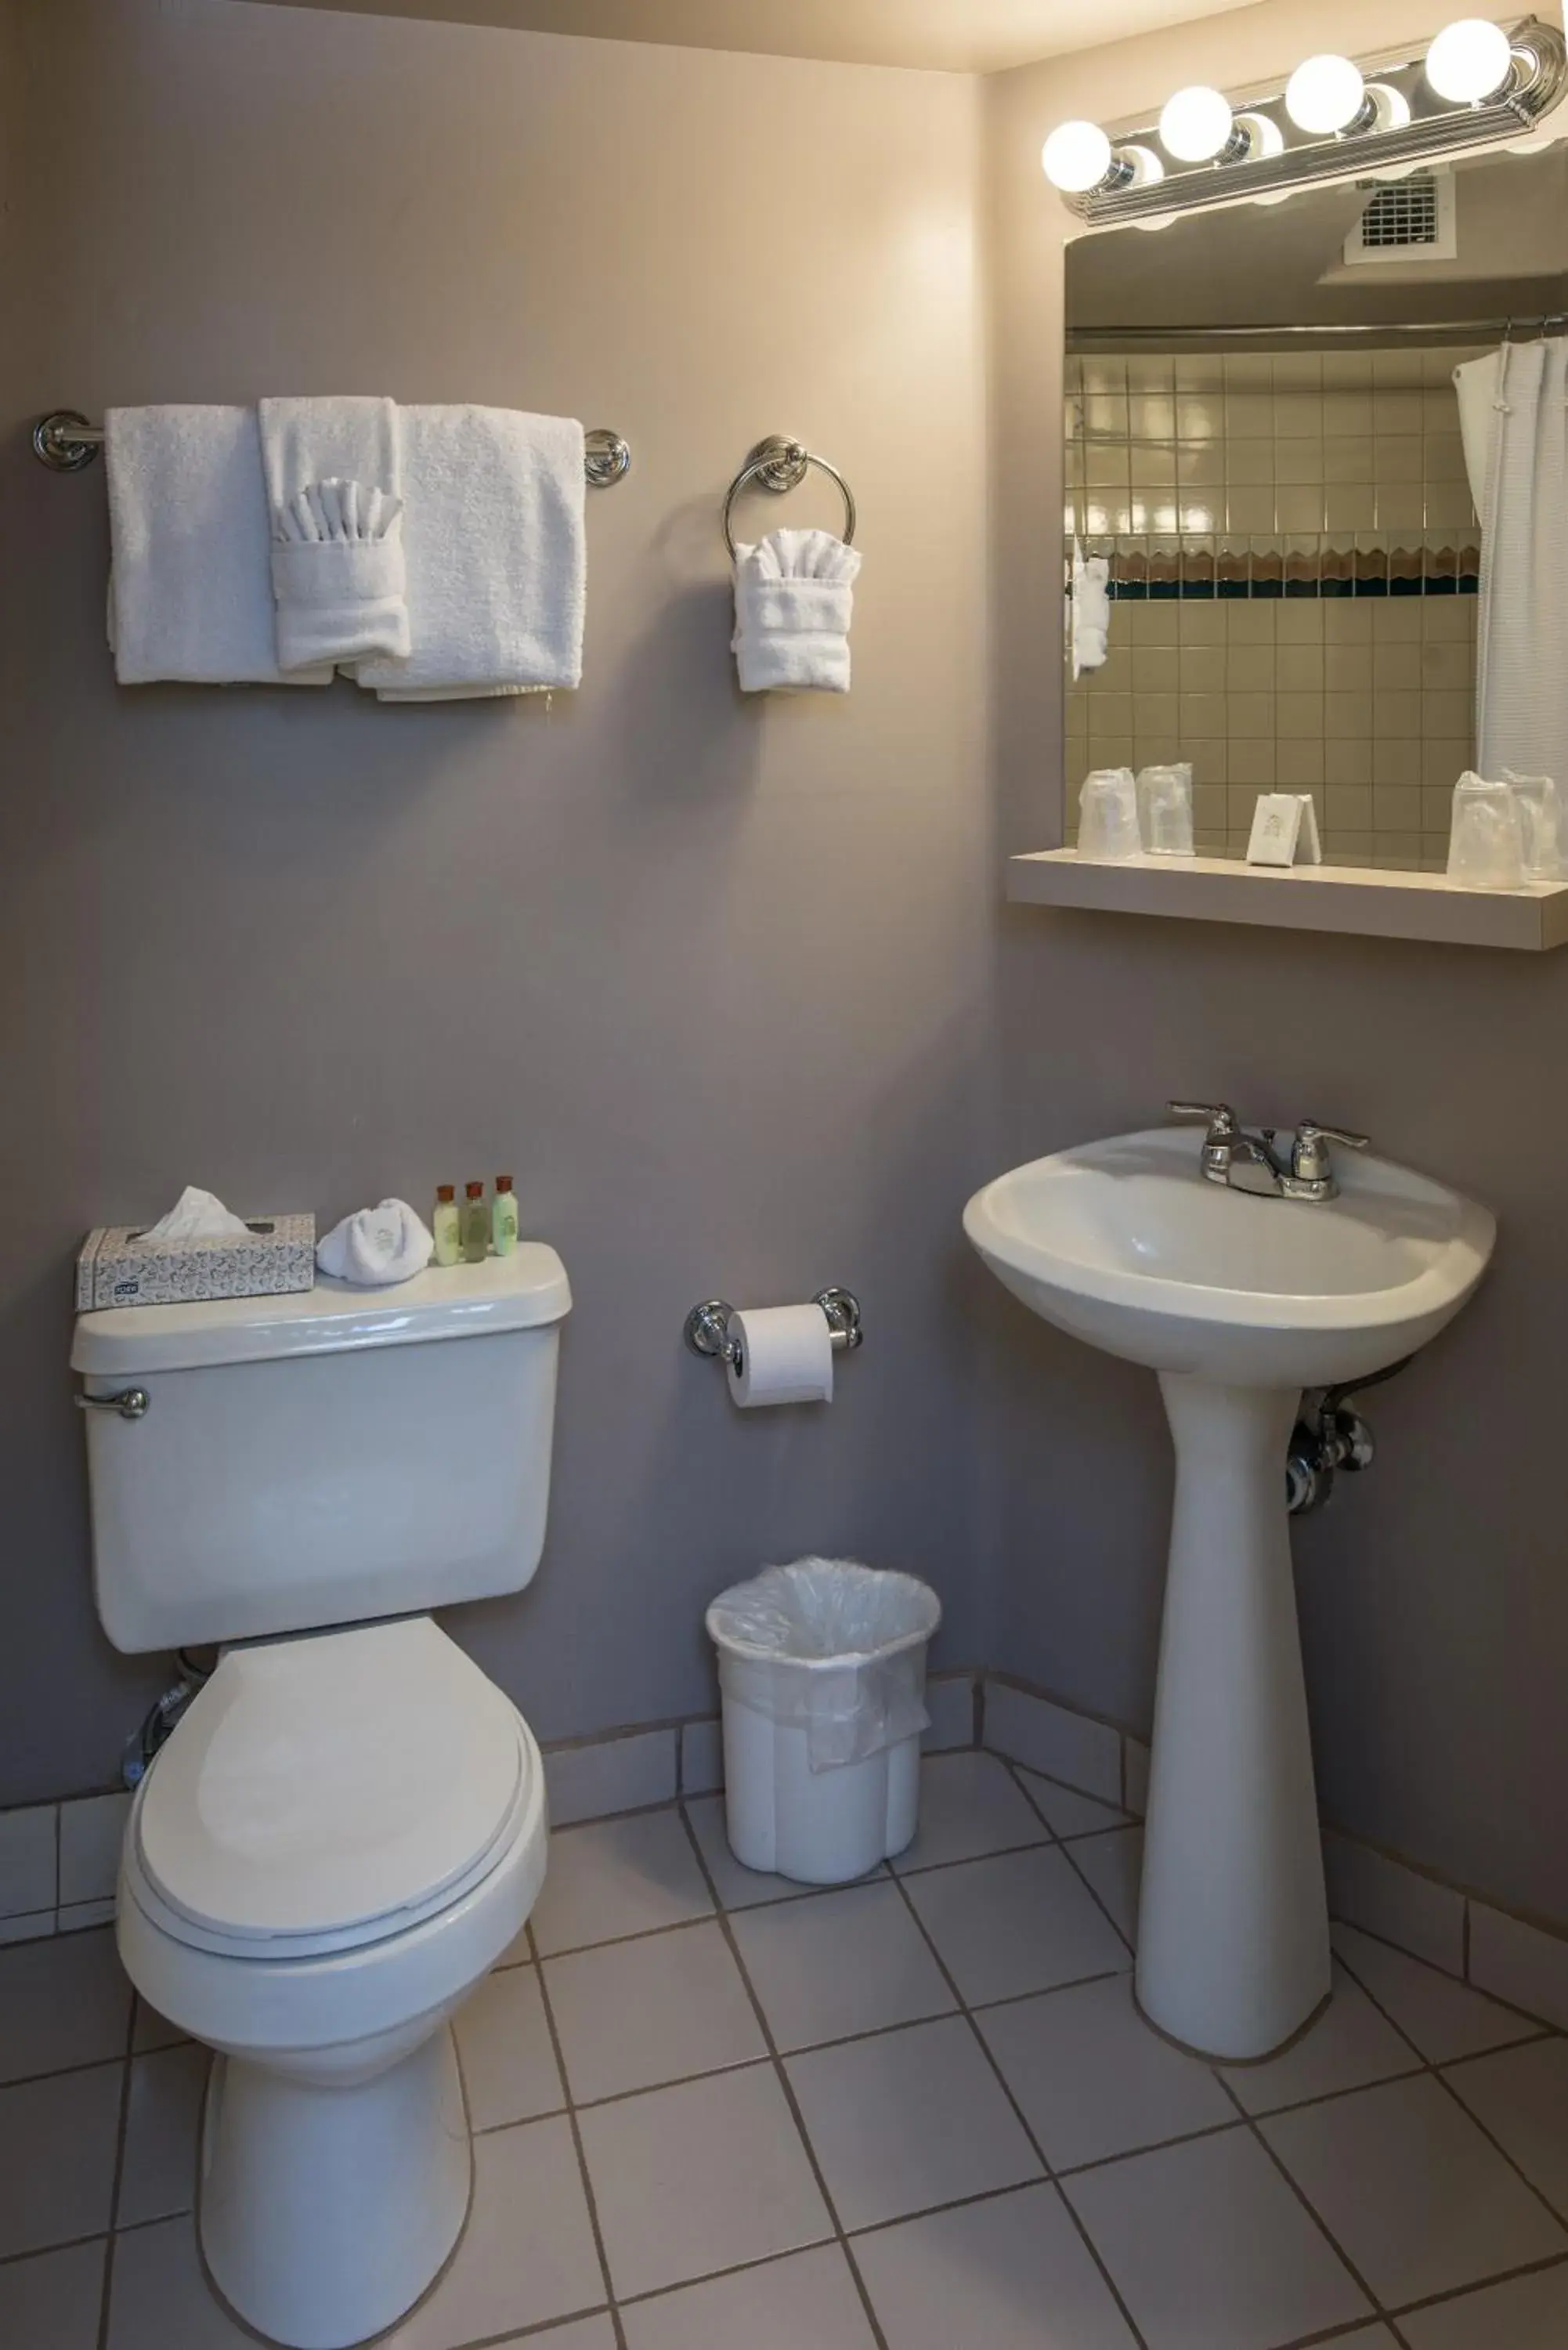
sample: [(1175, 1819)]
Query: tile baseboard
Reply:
[(59, 1860), (1521, 1961)]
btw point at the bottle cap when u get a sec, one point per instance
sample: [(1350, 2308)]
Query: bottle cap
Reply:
[(444, 1192), (476, 1190), (504, 1182)]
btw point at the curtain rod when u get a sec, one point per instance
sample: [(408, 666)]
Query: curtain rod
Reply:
[(1110, 339)]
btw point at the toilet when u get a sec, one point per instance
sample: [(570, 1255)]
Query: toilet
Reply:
[(346, 1827)]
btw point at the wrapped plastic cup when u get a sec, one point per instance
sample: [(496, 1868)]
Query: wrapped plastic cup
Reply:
[(1107, 816), (1486, 845), (1165, 809), (1541, 821)]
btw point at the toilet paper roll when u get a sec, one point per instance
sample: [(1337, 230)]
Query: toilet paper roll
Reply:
[(786, 1355)]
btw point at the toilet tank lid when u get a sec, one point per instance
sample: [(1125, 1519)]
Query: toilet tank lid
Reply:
[(521, 1291)]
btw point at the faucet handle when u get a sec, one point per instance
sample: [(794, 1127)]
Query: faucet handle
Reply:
[(1310, 1131), (1309, 1152), (1218, 1117)]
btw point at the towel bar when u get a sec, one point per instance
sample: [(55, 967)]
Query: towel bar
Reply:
[(780, 464), (66, 442)]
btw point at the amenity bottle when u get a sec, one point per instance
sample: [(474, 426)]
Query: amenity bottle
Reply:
[(448, 1228), (504, 1217), (476, 1226)]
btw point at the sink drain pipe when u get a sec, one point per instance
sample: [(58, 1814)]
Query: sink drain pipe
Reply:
[(1328, 1437)]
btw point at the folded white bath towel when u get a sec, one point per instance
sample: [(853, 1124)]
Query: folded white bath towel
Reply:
[(794, 593), (334, 481), (189, 596), (334, 475), (493, 532), (376, 1246), (1090, 618)]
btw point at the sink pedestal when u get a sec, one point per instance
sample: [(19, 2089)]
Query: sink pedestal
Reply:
[(1233, 1952)]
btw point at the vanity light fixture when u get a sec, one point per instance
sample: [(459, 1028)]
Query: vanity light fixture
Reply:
[(1476, 84)]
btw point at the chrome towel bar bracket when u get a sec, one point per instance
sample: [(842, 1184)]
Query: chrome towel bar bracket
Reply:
[(778, 464), (708, 1325), (66, 442)]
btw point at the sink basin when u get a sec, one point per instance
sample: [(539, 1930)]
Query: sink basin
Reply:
[(1127, 1244), (1238, 1302)]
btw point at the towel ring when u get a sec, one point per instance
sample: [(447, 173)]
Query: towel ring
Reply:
[(781, 463)]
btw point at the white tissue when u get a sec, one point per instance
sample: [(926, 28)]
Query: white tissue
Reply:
[(197, 1216), (786, 1355), (376, 1246)]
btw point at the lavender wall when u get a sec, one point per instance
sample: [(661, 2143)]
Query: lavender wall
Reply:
[(710, 975)]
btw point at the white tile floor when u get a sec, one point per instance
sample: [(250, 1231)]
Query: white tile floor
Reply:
[(716, 2112)]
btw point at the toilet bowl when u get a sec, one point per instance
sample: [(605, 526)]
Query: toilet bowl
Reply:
[(343, 1835)]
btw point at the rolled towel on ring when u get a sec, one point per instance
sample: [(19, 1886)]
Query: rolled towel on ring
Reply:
[(794, 600), (377, 1247)]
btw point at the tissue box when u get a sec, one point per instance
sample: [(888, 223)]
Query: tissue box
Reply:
[(117, 1267)]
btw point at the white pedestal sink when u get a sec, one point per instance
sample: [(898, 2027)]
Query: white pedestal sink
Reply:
[(1238, 1302)]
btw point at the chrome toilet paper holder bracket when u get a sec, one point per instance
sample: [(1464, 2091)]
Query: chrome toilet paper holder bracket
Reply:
[(708, 1329)]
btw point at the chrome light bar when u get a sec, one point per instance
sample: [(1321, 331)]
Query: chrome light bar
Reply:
[(1404, 123)]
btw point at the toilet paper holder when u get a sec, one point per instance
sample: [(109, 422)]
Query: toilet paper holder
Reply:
[(708, 1325)]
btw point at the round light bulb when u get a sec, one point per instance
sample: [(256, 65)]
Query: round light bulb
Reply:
[(1195, 124), (1076, 157), (1324, 95), (1469, 62)]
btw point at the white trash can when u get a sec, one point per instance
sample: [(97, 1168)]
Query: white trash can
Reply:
[(822, 1670)]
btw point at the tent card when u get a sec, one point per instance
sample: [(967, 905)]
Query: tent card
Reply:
[(1284, 830)]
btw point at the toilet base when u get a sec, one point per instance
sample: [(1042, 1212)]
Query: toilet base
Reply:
[(328, 2207)]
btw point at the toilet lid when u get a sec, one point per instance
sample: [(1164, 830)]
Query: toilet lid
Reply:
[(328, 1783)]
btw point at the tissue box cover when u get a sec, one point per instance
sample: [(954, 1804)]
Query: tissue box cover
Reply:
[(117, 1267)]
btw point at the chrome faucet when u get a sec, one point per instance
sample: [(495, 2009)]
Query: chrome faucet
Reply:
[(1296, 1169)]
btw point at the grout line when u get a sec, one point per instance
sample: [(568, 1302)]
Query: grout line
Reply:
[(123, 2128), (1439, 2075), (1318, 2221), (782, 2075), (576, 2129), (1539, 2028), (1004, 2084)]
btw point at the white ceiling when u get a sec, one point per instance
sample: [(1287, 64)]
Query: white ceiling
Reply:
[(957, 35)]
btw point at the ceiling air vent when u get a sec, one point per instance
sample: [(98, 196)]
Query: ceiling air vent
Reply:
[(1408, 220)]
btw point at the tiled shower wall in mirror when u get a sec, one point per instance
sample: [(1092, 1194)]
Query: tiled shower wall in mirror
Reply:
[(1295, 557)]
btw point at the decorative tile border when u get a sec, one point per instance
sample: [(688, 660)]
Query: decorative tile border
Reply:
[(1146, 570)]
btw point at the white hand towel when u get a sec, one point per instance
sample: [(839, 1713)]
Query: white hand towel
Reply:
[(376, 1247), (1091, 613), (197, 1216), (1478, 384), (333, 482), (794, 594), (496, 556), (189, 596)]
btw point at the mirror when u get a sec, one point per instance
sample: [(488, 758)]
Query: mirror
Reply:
[(1263, 443)]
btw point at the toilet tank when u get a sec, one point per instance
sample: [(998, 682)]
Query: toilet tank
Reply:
[(325, 1458)]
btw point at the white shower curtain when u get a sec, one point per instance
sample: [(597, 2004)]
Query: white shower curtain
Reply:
[(1521, 653)]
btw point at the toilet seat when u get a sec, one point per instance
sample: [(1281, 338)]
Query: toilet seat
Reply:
[(325, 1792)]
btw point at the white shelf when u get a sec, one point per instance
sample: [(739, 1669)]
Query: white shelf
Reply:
[(1353, 900)]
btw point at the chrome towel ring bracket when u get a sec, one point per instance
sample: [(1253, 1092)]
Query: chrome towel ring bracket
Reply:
[(781, 463)]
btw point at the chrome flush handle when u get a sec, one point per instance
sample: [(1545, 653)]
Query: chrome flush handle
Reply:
[(131, 1403)]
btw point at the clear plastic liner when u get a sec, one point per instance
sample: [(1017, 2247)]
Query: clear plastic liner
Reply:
[(832, 1647)]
